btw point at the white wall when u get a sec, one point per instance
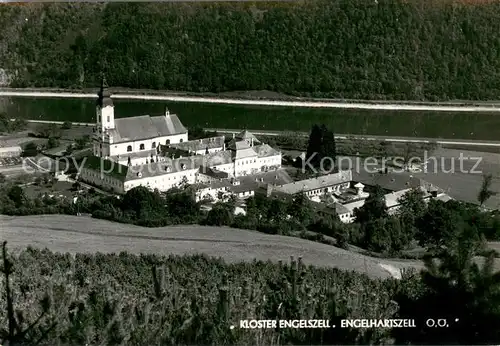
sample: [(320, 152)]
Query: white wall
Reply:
[(114, 149), (180, 138), (335, 188), (212, 193), (102, 181), (11, 152), (163, 182), (247, 166), (106, 117), (346, 217), (121, 148), (270, 161)]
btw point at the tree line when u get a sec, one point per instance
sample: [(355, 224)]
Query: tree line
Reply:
[(386, 49)]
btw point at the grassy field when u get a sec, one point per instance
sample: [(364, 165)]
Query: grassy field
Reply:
[(81, 234), (63, 233), (463, 125)]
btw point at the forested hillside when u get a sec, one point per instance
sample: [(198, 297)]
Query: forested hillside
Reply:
[(382, 49)]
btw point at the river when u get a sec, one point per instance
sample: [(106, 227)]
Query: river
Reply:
[(432, 124)]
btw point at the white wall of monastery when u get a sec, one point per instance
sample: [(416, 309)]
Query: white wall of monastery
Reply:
[(163, 182), (103, 181), (145, 144)]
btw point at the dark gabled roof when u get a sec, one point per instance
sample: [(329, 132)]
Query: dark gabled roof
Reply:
[(388, 181), (146, 127), (247, 136), (201, 144), (214, 173), (238, 144), (165, 167), (277, 177), (136, 155)]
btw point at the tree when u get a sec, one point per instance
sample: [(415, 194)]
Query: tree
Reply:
[(66, 125), (196, 132), (4, 123), (277, 211), (314, 146), (76, 186), (69, 149), (458, 289), (82, 142), (3, 179), (411, 208), (141, 198), (30, 150), (219, 215), (385, 235), (16, 194), (52, 142), (328, 149), (485, 192), (48, 130), (300, 209), (409, 152), (374, 207), (443, 221)]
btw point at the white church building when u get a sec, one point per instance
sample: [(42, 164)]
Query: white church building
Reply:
[(154, 151)]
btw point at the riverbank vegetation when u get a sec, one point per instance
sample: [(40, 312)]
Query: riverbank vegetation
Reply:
[(387, 49)]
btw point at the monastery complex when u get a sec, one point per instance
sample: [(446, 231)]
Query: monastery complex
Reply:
[(154, 152)]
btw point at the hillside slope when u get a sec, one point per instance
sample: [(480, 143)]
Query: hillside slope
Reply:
[(384, 49), (74, 234)]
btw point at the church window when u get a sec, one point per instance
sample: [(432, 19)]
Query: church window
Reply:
[(141, 147), (153, 145), (108, 118), (129, 148), (167, 141), (181, 140)]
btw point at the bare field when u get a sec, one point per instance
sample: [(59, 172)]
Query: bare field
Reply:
[(75, 234)]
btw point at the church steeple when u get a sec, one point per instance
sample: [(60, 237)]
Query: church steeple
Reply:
[(104, 96)]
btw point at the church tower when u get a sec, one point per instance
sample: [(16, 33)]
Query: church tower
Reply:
[(105, 108), (105, 116)]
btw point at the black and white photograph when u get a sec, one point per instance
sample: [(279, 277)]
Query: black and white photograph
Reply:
[(320, 172)]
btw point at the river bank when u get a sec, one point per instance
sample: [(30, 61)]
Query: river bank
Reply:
[(265, 116), (260, 98)]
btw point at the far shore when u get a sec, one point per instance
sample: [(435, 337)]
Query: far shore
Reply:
[(259, 98)]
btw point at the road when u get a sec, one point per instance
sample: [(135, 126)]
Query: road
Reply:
[(310, 104)]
